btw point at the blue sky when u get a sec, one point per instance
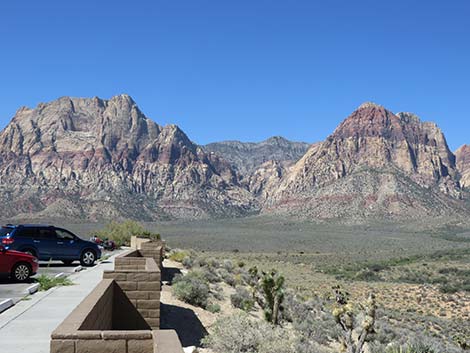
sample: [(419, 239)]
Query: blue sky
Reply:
[(243, 69)]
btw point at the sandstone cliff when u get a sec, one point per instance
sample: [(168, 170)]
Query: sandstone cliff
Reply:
[(94, 158), (463, 165), (375, 164)]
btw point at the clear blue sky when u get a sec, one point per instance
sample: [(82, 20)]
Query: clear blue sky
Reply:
[(243, 69)]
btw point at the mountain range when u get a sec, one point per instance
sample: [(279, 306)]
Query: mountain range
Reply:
[(94, 159)]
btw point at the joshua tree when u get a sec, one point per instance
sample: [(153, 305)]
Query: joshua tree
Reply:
[(272, 285), (354, 336)]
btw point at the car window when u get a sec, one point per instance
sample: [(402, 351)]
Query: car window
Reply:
[(4, 231), (26, 233), (46, 234), (63, 234)]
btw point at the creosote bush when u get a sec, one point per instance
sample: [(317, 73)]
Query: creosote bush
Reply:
[(191, 288)]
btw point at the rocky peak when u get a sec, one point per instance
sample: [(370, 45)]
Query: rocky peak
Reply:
[(377, 159), (370, 120), (97, 150), (463, 164), (368, 105)]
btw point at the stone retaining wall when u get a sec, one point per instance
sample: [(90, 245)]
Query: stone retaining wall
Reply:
[(149, 248), (107, 322), (139, 277)]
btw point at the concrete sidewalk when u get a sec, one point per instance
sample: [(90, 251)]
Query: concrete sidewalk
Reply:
[(27, 326)]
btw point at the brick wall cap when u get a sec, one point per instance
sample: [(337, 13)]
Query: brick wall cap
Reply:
[(127, 334)]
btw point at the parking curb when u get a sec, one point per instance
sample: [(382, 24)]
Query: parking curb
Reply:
[(33, 289), (6, 304), (60, 275), (78, 268)]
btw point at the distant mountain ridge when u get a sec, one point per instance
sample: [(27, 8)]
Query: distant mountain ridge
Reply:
[(90, 158), (246, 157)]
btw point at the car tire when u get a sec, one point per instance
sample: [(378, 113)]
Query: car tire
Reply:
[(21, 272), (67, 262), (88, 258), (29, 252)]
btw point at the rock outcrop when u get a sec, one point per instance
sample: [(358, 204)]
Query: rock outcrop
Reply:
[(375, 164), (463, 165), (94, 158)]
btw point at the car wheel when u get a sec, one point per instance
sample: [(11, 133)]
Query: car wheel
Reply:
[(67, 262), (88, 258), (21, 272), (30, 252)]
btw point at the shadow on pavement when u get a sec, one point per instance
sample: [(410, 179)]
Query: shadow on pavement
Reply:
[(9, 281), (46, 264), (185, 322)]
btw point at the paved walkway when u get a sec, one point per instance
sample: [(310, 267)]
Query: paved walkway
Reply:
[(28, 325)]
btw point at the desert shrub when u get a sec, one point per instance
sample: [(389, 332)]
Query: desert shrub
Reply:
[(245, 277), (310, 318), (149, 235), (210, 274), (120, 232), (228, 266), (227, 277), (178, 255), (409, 342), (367, 274), (242, 299), (213, 308), (191, 288), (241, 334), (211, 262), (188, 262)]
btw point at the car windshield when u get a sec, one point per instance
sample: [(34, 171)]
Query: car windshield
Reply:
[(4, 231)]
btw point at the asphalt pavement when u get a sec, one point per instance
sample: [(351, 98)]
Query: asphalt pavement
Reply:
[(18, 291)]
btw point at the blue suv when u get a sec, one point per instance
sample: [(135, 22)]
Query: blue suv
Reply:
[(49, 243)]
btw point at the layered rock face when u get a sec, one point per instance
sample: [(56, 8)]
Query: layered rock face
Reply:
[(104, 159), (463, 165), (94, 158), (376, 163), (247, 157)]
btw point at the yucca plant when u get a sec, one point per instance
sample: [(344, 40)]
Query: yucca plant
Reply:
[(272, 285), (345, 316)]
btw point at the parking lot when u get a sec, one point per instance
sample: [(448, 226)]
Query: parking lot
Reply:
[(17, 291)]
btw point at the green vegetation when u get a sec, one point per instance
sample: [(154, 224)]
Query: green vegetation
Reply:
[(346, 317), (272, 285), (191, 288), (122, 232), (48, 282), (242, 299), (213, 308), (179, 255)]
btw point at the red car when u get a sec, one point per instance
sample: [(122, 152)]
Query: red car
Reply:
[(17, 265)]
